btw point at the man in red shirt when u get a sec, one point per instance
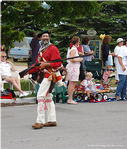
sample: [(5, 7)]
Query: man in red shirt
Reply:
[(47, 52)]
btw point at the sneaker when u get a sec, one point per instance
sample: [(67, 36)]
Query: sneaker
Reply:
[(124, 98), (24, 94)]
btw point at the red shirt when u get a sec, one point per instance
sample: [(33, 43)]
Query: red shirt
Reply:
[(79, 48), (49, 54)]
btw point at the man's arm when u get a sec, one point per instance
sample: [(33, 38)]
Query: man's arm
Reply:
[(89, 53), (121, 63)]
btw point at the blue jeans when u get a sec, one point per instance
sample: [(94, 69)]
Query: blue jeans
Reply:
[(122, 85)]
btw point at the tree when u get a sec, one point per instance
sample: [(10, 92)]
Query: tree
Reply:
[(68, 27), (111, 19), (22, 18)]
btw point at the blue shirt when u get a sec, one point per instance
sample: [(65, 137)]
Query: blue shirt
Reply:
[(86, 49)]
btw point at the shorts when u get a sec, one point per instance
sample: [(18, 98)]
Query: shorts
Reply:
[(73, 72), (109, 61)]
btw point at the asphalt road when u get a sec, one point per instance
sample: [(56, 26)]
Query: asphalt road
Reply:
[(82, 126)]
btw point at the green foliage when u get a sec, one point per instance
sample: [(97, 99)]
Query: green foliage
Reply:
[(65, 18), (25, 85), (23, 18), (19, 19), (111, 19)]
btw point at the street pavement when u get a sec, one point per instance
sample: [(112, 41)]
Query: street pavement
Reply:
[(82, 126)]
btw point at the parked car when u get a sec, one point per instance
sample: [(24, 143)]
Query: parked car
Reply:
[(21, 50)]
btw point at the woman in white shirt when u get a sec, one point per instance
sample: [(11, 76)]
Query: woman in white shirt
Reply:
[(5, 70), (73, 68)]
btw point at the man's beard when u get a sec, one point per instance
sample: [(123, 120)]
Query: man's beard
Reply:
[(45, 42)]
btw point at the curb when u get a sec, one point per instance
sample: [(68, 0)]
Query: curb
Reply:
[(19, 100)]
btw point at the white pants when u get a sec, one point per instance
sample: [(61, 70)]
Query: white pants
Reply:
[(46, 108)]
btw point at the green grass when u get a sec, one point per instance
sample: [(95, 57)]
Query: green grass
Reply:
[(25, 85)]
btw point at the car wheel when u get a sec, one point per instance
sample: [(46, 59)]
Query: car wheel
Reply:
[(15, 60)]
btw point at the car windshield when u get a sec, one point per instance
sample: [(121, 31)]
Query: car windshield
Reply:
[(21, 44)]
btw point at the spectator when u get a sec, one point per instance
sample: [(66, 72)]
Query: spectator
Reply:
[(87, 51), (122, 72), (80, 50), (82, 74), (35, 46), (106, 53), (5, 70), (116, 51), (73, 67)]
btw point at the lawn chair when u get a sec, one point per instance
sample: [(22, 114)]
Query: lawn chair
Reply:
[(60, 93)]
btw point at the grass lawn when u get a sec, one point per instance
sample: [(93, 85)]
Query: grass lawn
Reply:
[(25, 85)]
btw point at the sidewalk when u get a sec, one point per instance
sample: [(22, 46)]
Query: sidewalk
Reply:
[(20, 100), (33, 99)]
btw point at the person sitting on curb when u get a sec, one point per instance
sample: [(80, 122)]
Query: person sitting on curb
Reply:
[(5, 69)]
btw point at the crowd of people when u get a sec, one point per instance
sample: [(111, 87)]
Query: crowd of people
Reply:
[(43, 52), (120, 60), (119, 54)]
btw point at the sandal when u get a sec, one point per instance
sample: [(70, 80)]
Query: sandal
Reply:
[(72, 102)]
